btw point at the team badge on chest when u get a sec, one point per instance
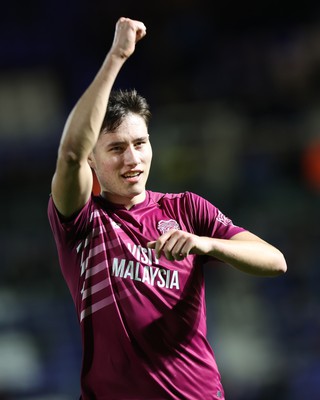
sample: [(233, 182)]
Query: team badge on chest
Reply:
[(165, 226)]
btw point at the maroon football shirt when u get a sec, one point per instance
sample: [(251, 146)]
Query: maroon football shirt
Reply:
[(142, 319)]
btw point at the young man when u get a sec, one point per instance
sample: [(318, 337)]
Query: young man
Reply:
[(133, 258)]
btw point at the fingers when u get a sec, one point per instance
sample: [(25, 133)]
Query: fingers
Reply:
[(173, 247), (137, 26), (160, 243), (152, 244), (128, 32), (174, 244), (141, 30)]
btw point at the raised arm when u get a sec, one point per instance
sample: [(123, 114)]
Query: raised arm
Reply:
[(72, 181)]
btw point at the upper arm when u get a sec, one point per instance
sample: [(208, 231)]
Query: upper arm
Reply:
[(247, 236), (71, 185)]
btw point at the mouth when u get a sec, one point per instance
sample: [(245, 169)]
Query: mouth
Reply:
[(132, 176)]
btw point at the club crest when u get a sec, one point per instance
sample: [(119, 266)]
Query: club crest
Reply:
[(223, 219), (165, 226)]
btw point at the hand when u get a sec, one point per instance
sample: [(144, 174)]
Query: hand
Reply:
[(128, 32), (177, 245)]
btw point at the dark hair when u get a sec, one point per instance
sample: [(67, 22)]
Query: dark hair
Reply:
[(120, 104)]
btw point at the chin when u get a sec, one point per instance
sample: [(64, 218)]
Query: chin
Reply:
[(136, 193)]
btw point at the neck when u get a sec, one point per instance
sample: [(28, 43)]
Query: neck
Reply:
[(126, 202)]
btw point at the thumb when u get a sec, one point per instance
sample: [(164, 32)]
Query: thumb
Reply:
[(151, 245)]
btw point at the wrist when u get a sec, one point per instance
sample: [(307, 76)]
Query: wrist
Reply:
[(118, 54)]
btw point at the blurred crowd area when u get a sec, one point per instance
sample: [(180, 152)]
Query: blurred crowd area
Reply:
[(235, 95)]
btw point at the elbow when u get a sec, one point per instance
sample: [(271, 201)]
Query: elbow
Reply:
[(71, 155), (279, 265), (283, 264), (275, 266)]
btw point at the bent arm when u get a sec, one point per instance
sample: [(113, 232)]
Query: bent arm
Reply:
[(244, 251), (72, 181), (248, 253)]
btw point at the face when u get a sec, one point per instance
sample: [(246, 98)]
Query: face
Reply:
[(121, 161)]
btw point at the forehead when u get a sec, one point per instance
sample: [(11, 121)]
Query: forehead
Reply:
[(132, 127)]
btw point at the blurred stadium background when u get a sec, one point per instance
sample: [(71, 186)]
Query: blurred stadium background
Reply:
[(235, 94)]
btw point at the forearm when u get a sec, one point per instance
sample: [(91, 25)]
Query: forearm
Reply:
[(84, 122), (244, 251), (252, 256)]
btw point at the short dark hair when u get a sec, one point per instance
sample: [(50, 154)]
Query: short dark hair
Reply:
[(120, 104)]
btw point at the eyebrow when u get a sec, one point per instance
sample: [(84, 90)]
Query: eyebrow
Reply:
[(122, 142), (119, 143)]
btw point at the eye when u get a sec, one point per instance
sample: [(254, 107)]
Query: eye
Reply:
[(140, 143), (116, 149)]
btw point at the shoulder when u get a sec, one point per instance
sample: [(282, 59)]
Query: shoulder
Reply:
[(79, 222)]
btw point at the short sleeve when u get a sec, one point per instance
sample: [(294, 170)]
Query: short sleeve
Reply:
[(67, 235), (208, 220)]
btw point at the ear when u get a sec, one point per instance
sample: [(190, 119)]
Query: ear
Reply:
[(91, 160), (96, 188)]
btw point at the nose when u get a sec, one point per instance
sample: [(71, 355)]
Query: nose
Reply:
[(131, 156)]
